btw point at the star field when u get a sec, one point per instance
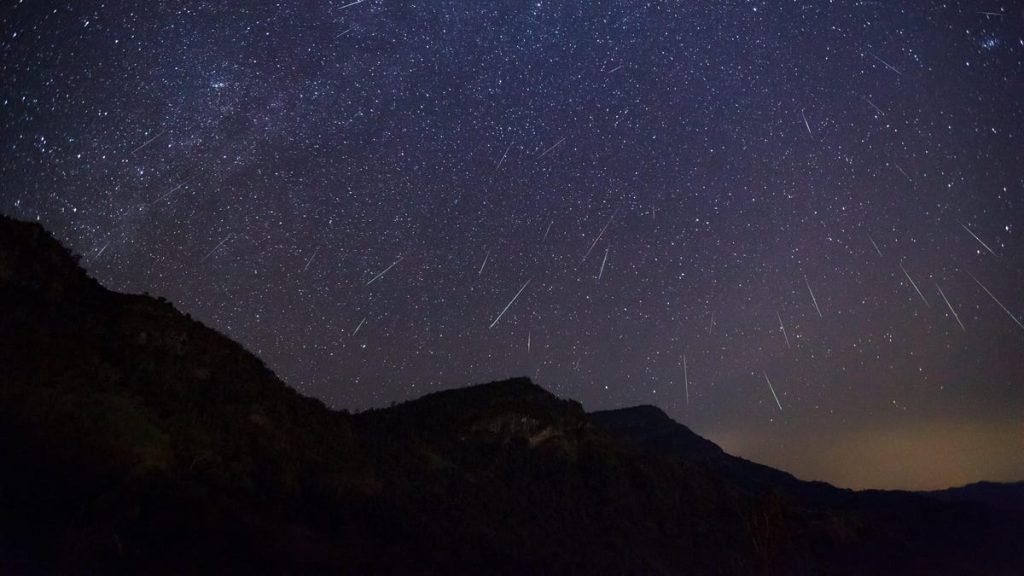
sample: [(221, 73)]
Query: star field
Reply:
[(826, 196)]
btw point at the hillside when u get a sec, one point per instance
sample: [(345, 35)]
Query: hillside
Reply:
[(137, 440), (1009, 497)]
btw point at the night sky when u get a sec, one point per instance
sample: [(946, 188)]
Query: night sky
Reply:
[(794, 226)]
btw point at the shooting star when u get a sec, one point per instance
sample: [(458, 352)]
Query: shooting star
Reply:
[(601, 273), (875, 245), (547, 231), (148, 142), (973, 235), (173, 190), (783, 328), (772, 388), (509, 305), (503, 156), (377, 277), (686, 380), (955, 315), (361, 322), (310, 261), (914, 284), (614, 69), (215, 248), (527, 341), (711, 325), (813, 299), (596, 240), (902, 171), (806, 123), (872, 104), (996, 300), (350, 4), (488, 255), (347, 30), (100, 253), (886, 64), (552, 147)]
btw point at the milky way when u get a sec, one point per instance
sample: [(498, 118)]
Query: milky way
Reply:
[(795, 193)]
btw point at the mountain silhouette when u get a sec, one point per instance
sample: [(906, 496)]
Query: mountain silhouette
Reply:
[(1009, 496), (137, 440)]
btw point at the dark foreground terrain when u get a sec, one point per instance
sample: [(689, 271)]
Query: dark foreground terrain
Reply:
[(136, 440)]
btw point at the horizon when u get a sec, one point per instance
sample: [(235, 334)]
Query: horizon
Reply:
[(815, 471)]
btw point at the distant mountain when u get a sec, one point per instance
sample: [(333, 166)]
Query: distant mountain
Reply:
[(136, 440), (1009, 497), (649, 428)]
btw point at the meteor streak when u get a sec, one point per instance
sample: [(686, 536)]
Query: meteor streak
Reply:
[(914, 284), (955, 315), (502, 161), (552, 147), (813, 299), (686, 380), (772, 388), (601, 273), (354, 332), (310, 261), (547, 231), (215, 248), (377, 277), (783, 328), (806, 123), (973, 235), (509, 305), (596, 240), (481, 271), (996, 300), (875, 245)]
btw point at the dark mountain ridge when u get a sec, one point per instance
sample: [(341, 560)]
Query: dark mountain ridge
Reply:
[(137, 440), (1003, 496), (649, 428)]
